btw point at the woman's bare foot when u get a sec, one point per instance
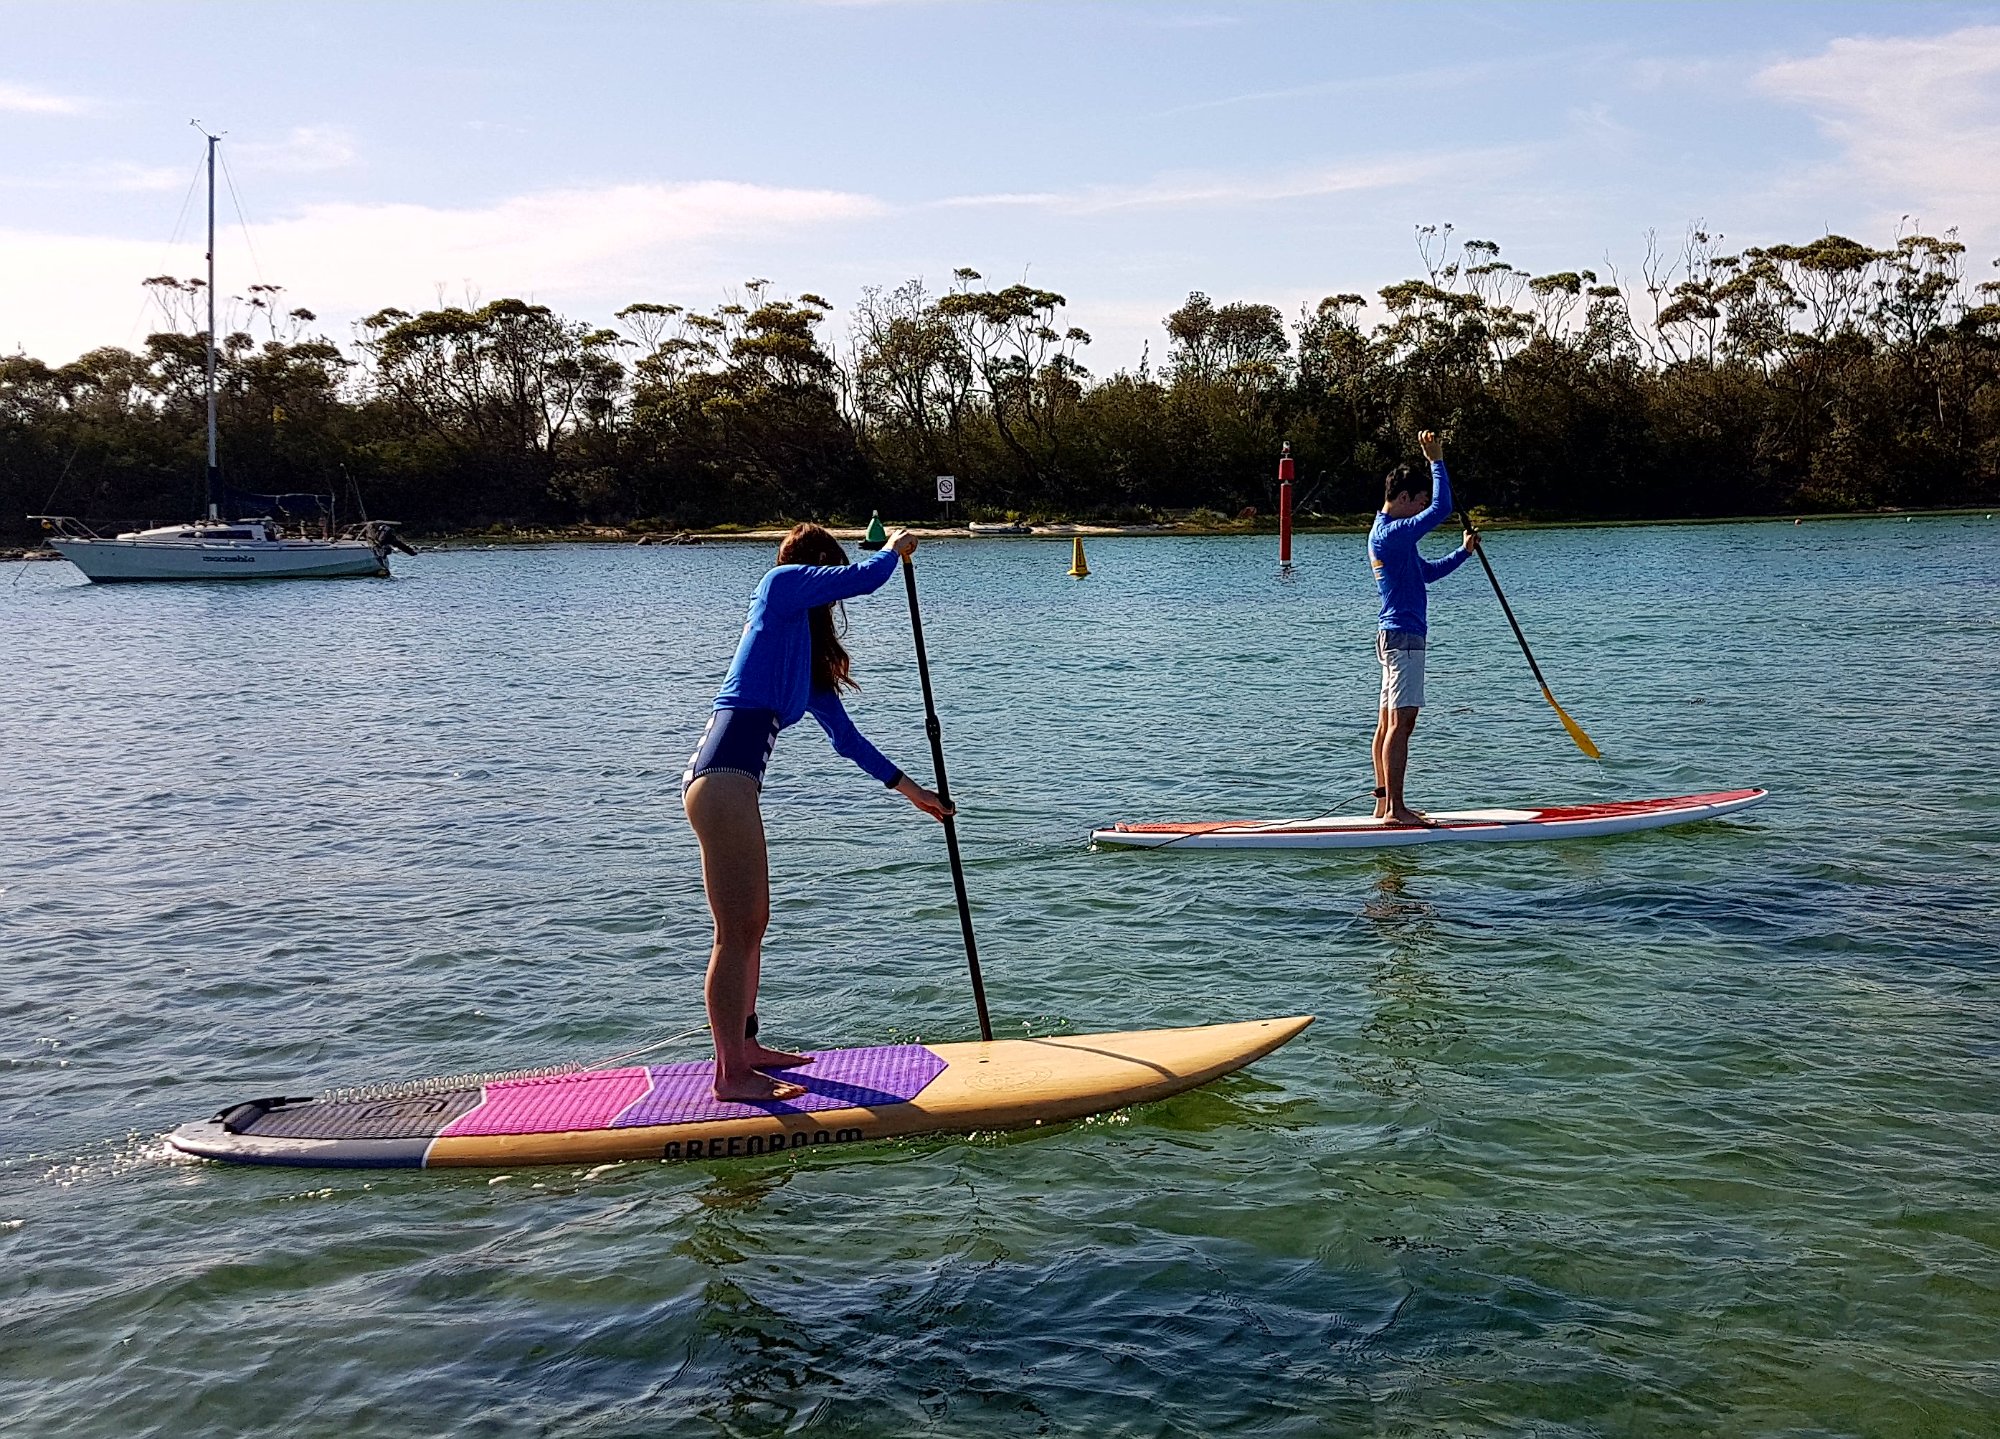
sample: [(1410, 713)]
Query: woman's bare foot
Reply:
[(755, 1088), (1414, 817), (762, 1056)]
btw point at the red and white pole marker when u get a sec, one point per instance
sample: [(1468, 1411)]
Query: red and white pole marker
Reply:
[(1285, 508)]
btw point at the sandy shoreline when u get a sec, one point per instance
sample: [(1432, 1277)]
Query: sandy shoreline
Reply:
[(1352, 525), (771, 534)]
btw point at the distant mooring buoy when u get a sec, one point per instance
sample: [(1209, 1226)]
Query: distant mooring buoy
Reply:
[(1078, 570), (876, 536)]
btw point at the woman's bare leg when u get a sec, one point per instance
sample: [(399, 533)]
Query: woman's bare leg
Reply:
[(736, 871)]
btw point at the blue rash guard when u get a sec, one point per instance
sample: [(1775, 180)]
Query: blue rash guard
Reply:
[(1401, 573), (773, 666)]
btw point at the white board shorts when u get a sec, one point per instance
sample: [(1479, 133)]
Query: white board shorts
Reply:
[(1402, 657)]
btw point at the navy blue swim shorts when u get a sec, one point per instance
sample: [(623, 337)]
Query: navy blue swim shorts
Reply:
[(735, 742)]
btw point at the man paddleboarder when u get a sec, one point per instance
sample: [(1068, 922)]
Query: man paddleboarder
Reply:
[(1411, 508)]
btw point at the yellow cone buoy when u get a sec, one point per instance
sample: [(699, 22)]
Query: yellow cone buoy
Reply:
[(1078, 570)]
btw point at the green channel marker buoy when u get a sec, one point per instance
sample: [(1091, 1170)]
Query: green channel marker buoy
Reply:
[(876, 536)]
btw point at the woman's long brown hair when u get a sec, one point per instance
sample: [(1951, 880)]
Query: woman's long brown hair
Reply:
[(812, 545)]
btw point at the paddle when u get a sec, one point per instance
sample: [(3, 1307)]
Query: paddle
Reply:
[(1583, 741), (936, 732)]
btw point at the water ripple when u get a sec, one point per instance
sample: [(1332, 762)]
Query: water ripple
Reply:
[(1685, 1133)]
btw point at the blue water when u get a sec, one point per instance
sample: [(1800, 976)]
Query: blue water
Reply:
[(1692, 1132)]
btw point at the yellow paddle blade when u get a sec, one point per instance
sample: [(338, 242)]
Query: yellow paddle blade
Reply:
[(1575, 730)]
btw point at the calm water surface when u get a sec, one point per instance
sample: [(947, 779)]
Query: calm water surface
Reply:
[(1695, 1132)]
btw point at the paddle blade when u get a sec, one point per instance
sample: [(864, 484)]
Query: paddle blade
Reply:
[(1583, 741)]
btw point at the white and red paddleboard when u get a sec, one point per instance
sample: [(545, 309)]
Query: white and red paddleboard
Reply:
[(1573, 821)]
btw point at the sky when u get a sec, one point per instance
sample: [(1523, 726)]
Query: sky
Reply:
[(588, 155)]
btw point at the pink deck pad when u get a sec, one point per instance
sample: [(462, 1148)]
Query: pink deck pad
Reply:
[(589, 1100), (684, 1093)]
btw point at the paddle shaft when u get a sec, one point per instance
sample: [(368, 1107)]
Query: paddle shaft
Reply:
[(1506, 609), (936, 732)]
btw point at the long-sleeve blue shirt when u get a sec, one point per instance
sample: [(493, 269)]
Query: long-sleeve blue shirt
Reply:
[(773, 665), (1401, 573)]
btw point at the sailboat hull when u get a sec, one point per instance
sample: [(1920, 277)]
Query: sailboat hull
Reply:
[(111, 561)]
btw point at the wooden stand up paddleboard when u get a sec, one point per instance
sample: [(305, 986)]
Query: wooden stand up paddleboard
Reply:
[(1576, 821), (670, 1111)]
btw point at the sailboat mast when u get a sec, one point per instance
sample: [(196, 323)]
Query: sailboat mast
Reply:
[(214, 473)]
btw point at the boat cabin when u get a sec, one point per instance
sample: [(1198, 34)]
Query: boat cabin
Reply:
[(204, 530)]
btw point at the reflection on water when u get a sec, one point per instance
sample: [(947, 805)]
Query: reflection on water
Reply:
[(1675, 1134), (1412, 1022), (1390, 903)]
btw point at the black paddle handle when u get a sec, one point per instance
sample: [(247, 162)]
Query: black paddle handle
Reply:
[(1465, 523), (936, 732)]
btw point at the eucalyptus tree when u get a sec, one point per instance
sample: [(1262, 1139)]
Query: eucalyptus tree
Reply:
[(1241, 344), (1827, 374), (1343, 387), (1556, 297), (913, 381), (504, 397), (1026, 373), (743, 408)]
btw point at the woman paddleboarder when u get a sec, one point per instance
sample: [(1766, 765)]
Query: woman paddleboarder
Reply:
[(790, 663)]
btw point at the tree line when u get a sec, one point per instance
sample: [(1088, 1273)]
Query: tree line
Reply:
[(1825, 376)]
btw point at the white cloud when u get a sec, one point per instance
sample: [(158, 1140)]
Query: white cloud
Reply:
[(62, 294), (550, 242), (123, 175), (307, 149), (1918, 120), (1649, 73), (115, 175), (1196, 190), (1432, 80), (22, 100)]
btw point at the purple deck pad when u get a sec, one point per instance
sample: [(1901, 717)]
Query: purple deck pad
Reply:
[(684, 1093), (836, 1079)]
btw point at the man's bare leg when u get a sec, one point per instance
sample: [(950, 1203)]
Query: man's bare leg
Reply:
[(1396, 757), (1381, 749)]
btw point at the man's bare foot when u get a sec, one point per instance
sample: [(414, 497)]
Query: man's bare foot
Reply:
[(755, 1088), (762, 1056), (1411, 817)]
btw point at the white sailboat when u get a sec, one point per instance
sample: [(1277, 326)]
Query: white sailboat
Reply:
[(230, 544)]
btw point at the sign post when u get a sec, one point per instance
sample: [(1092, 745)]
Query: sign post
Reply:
[(947, 493)]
